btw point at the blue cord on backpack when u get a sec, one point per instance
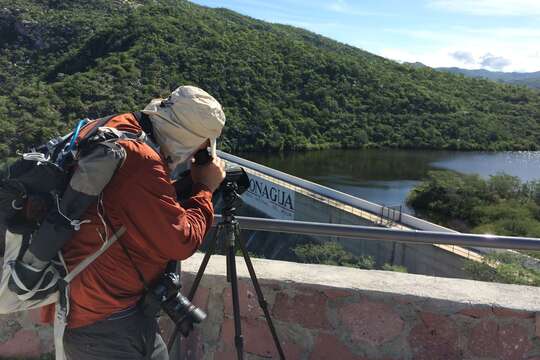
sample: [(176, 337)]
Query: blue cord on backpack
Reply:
[(76, 134), (72, 143)]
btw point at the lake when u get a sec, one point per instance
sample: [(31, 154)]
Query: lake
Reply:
[(387, 176)]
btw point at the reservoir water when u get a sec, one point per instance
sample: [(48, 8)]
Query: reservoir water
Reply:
[(387, 176)]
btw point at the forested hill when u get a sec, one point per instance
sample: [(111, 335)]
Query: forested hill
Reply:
[(282, 87)]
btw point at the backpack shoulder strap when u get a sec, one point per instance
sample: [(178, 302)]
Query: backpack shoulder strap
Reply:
[(94, 126), (146, 124), (86, 262), (92, 129)]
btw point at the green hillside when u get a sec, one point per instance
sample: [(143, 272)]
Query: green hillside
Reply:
[(283, 88)]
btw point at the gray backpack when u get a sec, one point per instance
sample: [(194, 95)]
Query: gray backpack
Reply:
[(42, 198)]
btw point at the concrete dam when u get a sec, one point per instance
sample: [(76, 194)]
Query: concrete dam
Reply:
[(276, 195)]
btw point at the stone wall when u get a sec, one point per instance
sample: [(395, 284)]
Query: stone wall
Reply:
[(326, 312)]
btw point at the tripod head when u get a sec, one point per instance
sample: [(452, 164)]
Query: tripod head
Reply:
[(236, 182)]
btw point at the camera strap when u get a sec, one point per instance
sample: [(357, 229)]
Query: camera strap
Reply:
[(126, 251), (141, 277)]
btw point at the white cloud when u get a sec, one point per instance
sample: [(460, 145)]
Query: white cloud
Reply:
[(488, 60), (494, 62), (489, 7), (463, 56), (505, 48)]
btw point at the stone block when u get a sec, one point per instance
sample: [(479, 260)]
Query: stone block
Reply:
[(226, 351), (257, 341), (477, 312), (483, 339), (504, 312), (514, 342), (373, 322), (330, 347), (337, 293), (249, 304), (9, 326), (434, 337), (403, 300), (25, 343), (306, 309), (538, 325), (506, 341)]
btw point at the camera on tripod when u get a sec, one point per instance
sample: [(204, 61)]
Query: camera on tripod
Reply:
[(228, 234), (236, 180)]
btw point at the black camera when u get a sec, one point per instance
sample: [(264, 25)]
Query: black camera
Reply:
[(235, 177), (165, 295), (236, 180)]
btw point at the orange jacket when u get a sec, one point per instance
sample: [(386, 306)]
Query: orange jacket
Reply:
[(142, 198)]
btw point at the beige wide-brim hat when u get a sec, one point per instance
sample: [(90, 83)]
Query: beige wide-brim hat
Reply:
[(184, 121)]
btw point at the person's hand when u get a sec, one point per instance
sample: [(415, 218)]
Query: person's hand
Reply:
[(211, 175)]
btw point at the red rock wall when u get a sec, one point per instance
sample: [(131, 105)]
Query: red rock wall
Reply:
[(326, 323)]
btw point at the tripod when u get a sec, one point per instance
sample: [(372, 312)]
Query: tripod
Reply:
[(230, 229)]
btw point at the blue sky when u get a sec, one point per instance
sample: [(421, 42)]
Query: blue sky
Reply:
[(501, 35)]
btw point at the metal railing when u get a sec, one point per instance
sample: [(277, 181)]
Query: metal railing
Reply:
[(391, 214), (384, 234)]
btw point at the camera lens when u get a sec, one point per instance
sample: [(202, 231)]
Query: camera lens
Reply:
[(191, 311), (183, 313)]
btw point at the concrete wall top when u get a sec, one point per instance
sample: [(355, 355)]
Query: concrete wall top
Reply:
[(453, 290)]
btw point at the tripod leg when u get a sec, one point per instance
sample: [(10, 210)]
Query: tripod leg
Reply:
[(238, 339), (204, 263), (228, 267), (262, 302), (196, 283)]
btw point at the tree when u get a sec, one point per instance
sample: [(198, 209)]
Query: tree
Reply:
[(331, 253)]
